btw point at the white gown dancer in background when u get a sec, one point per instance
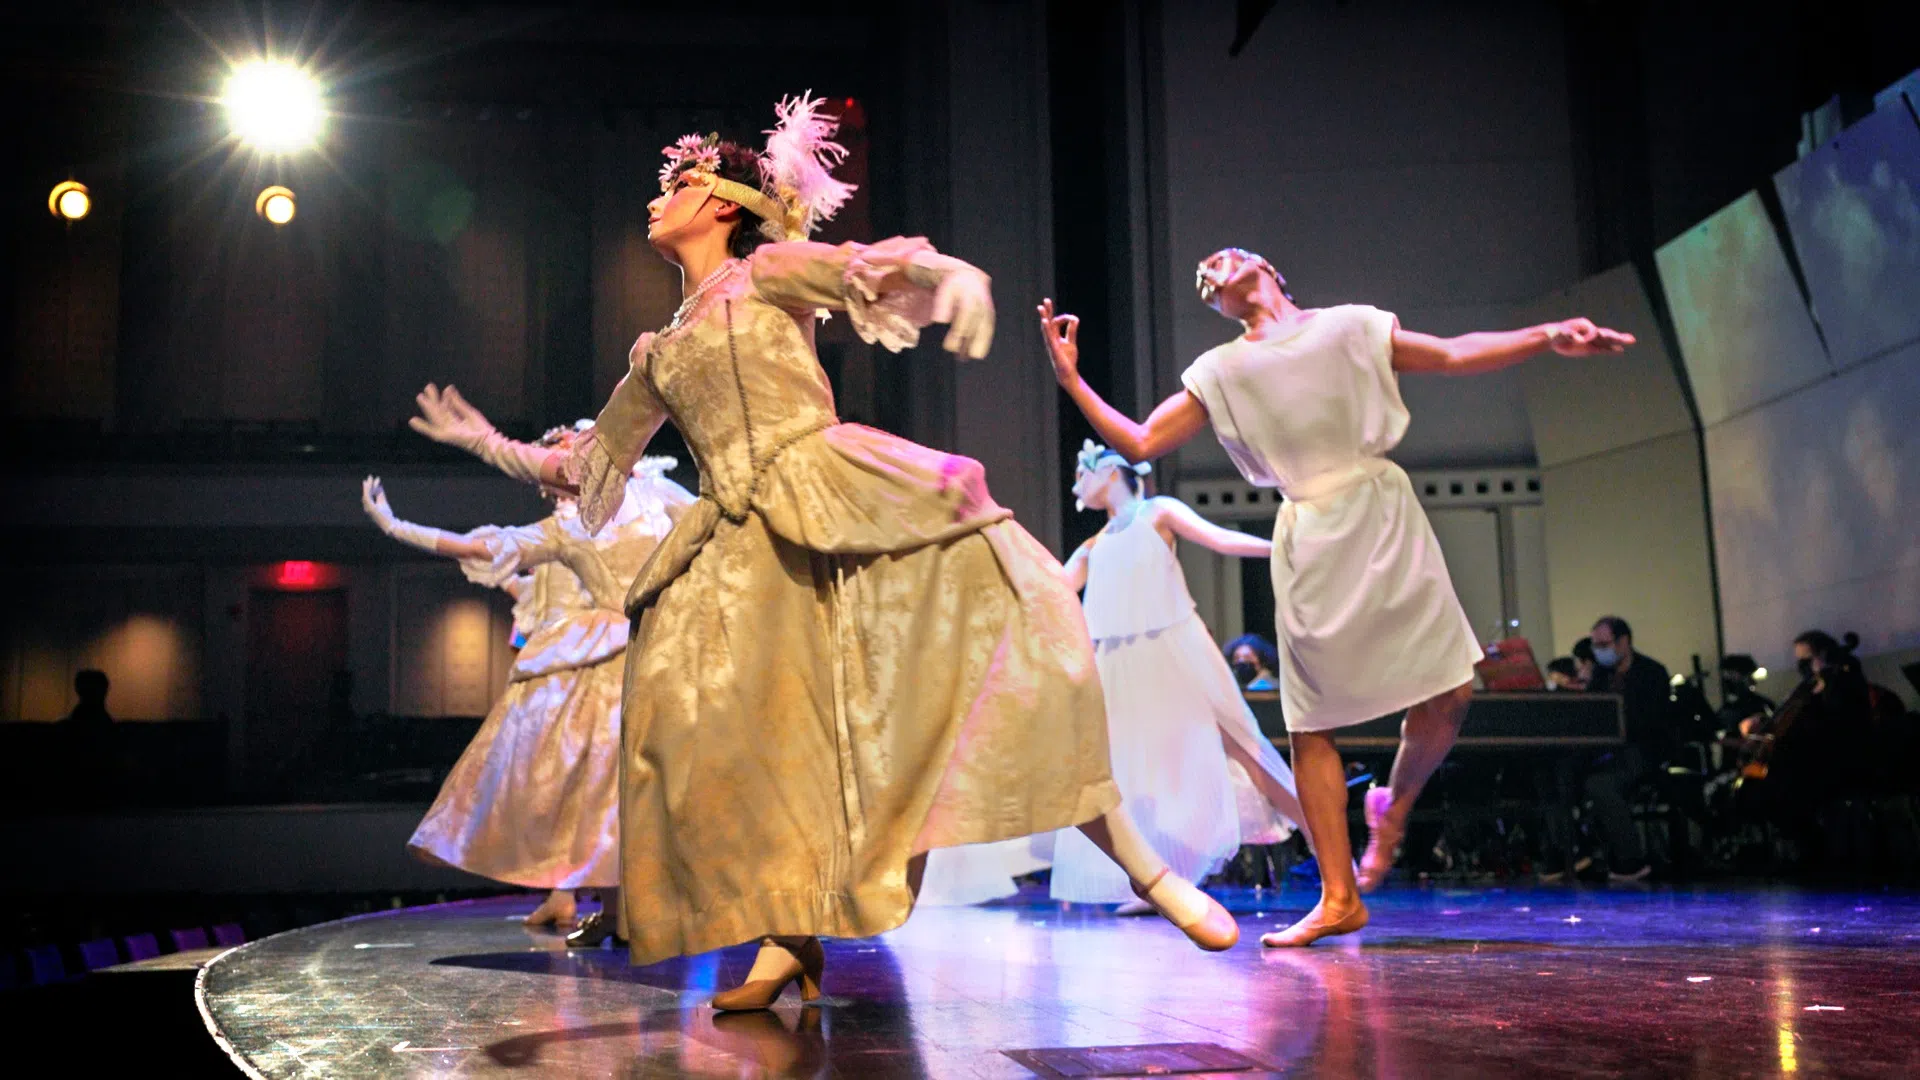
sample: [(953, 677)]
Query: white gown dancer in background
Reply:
[(534, 799), (1194, 771), (1308, 401)]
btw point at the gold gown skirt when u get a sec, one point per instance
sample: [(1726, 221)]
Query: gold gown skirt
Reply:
[(801, 722), (534, 799)]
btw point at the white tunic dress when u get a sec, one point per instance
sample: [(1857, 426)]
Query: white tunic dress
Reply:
[(1365, 612), (1171, 699)]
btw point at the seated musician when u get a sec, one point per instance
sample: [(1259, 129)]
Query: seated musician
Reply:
[(1828, 740), (1608, 778), (1743, 709)]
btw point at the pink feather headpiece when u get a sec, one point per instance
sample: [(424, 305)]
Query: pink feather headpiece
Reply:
[(797, 187)]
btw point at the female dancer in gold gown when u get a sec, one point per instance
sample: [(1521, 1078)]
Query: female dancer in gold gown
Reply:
[(845, 654)]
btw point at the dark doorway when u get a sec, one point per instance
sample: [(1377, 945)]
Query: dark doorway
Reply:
[(296, 641)]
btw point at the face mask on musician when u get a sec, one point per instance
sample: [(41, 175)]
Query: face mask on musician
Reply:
[(1244, 671), (1806, 667), (1606, 657)]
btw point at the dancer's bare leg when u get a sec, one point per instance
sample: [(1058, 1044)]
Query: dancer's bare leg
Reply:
[(1323, 798), (1426, 735), (1277, 794), (1180, 900), (558, 909)]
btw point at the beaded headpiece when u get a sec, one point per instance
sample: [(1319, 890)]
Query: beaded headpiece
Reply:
[(1207, 287), (797, 190)]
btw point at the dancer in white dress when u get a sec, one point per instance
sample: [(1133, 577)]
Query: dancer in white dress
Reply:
[(1308, 401), (1194, 771)]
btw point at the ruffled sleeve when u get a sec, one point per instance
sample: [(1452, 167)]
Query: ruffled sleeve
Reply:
[(864, 280), (511, 551), (601, 460)]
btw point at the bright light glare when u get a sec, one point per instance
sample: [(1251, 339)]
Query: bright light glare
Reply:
[(273, 105), (275, 204), (1760, 674), (70, 200)]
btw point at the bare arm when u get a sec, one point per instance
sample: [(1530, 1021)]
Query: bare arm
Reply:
[(1188, 525), (1176, 420), (1075, 570), (1472, 354)]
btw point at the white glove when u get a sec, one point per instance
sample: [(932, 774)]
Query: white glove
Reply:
[(373, 498), (445, 417), (962, 298)]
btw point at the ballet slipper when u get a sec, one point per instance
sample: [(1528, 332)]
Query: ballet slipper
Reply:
[(1316, 925), (1383, 841), (557, 910), (1212, 929)]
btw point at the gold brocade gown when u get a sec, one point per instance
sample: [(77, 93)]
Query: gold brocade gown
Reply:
[(845, 654), (534, 799)]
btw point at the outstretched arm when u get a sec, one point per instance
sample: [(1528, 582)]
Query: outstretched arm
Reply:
[(446, 417), (1188, 525), (1472, 354), (373, 498), (1176, 420)]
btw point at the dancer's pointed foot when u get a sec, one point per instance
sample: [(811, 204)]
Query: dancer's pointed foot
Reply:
[(1198, 915), (557, 910), (781, 960), (1383, 841), (1323, 921)]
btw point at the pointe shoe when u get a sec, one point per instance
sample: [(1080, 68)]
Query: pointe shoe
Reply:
[(809, 962), (1214, 930), (1382, 849), (1308, 930), (552, 912), (595, 930)]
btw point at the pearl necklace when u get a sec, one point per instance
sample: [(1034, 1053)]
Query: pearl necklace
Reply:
[(693, 298)]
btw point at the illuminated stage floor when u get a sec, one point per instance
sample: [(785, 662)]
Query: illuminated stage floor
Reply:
[(1478, 982)]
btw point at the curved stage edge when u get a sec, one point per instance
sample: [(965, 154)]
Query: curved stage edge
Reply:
[(1477, 981)]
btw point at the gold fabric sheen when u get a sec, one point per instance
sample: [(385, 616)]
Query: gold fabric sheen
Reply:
[(845, 652), (534, 799)]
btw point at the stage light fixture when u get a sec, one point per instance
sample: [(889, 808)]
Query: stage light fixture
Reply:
[(275, 204), (1759, 674), (273, 106), (70, 200)]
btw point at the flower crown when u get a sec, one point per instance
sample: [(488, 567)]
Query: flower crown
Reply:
[(1093, 457), (797, 190)]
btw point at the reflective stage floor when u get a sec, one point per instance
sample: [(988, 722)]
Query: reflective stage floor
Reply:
[(1470, 982)]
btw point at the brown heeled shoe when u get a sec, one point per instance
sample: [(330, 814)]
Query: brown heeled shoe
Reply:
[(1214, 931), (762, 993), (595, 930)]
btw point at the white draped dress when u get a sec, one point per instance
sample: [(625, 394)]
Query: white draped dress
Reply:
[(1366, 616), (1171, 700)]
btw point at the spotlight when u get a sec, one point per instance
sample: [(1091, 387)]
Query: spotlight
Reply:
[(1759, 674), (275, 204), (69, 200), (273, 106)]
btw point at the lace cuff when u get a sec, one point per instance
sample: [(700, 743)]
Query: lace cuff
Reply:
[(591, 469), (510, 552), (891, 318)]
